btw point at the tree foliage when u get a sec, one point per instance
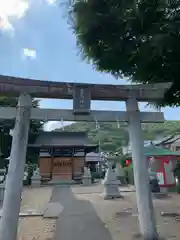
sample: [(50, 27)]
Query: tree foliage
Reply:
[(112, 138), (137, 39), (7, 125)]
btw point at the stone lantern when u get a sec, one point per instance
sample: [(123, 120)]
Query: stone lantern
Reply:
[(111, 184)]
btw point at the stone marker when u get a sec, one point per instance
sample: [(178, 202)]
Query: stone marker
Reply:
[(87, 178), (111, 184), (36, 178)]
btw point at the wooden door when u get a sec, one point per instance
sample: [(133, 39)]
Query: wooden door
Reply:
[(62, 168)]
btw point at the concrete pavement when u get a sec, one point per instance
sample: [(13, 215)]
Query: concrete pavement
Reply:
[(78, 220)]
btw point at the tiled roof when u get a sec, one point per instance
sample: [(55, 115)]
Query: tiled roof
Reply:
[(62, 139), (44, 154)]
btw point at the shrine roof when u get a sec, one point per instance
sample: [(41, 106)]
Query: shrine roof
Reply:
[(64, 90), (157, 151), (154, 151), (61, 139)]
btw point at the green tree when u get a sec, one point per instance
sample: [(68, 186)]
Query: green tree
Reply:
[(7, 125), (137, 39)]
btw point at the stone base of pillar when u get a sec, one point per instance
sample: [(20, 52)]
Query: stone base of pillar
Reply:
[(87, 181), (118, 181), (111, 186), (122, 180), (36, 182), (111, 191)]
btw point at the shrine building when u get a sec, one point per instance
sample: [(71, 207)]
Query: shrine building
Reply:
[(62, 155)]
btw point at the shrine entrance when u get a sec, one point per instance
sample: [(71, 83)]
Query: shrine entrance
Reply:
[(82, 94)]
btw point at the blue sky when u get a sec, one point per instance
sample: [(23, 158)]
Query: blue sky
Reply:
[(37, 42)]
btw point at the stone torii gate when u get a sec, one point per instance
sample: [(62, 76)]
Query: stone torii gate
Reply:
[(82, 94)]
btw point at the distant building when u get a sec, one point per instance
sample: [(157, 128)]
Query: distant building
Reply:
[(162, 161), (170, 142), (128, 149)]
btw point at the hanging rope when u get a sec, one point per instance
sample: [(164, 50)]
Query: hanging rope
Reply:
[(99, 144), (118, 123), (97, 125)]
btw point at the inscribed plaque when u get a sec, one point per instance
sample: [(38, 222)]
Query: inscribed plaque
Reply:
[(81, 100)]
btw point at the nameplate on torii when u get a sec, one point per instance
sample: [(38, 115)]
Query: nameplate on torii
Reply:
[(81, 99)]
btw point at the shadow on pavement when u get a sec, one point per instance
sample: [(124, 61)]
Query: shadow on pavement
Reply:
[(78, 220)]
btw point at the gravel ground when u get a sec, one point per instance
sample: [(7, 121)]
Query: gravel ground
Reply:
[(120, 216), (36, 228)]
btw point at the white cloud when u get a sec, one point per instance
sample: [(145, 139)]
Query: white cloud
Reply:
[(11, 8), (29, 53), (52, 125), (51, 1)]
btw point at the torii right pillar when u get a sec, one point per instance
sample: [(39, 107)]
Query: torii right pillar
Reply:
[(140, 167)]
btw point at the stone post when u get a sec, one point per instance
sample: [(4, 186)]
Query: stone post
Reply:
[(111, 184), (14, 181), (36, 178), (87, 180), (140, 168), (100, 169)]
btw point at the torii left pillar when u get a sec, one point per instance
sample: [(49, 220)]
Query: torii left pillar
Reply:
[(14, 183)]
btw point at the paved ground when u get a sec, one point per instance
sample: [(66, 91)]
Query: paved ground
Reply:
[(86, 215), (35, 228), (78, 219), (98, 188)]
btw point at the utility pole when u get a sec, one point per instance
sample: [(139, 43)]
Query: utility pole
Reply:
[(140, 167), (14, 182)]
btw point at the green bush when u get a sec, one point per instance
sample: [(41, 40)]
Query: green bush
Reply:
[(30, 168)]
